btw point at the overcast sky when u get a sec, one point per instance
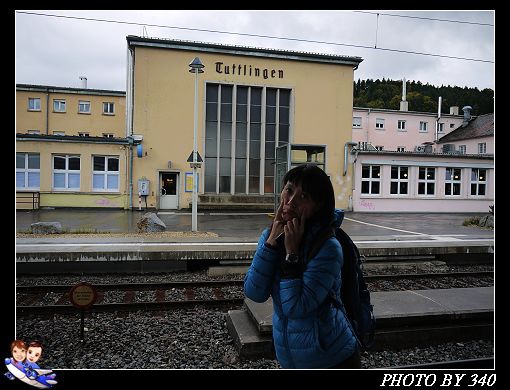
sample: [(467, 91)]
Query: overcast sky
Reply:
[(57, 51)]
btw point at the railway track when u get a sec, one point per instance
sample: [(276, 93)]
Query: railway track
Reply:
[(51, 299)]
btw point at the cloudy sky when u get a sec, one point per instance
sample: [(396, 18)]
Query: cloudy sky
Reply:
[(56, 51)]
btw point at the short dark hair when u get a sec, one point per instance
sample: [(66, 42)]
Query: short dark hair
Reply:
[(316, 183)]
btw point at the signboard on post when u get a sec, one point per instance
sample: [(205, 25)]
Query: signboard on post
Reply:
[(82, 296)]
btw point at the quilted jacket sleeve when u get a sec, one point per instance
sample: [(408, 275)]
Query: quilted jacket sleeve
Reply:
[(300, 296), (260, 275)]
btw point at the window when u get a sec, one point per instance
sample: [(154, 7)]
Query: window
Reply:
[(423, 127), (108, 135), (440, 127), (83, 107), (108, 108), (426, 181), (28, 171), (59, 105), (105, 173), (452, 181), (370, 179), (478, 181), (236, 159), (356, 121), (379, 148), (33, 132), (452, 125), (81, 134), (462, 149), (482, 148), (379, 123), (59, 133), (401, 148), (66, 172), (34, 104), (399, 181), (401, 125)]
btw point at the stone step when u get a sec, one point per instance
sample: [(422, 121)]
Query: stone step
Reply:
[(262, 207), (250, 344)]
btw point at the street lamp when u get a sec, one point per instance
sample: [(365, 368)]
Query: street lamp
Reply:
[(195, 67)]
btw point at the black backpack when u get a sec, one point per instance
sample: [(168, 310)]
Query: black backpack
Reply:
[(354, 298)]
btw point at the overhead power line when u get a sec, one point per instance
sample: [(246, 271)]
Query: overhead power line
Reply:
[(255, 35), (422, 17)]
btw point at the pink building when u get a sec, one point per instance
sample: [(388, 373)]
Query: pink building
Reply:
[(400, 164)]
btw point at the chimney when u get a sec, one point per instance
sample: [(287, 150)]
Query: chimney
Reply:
[(83, 82), (404, 105), (454, 110), (467, 115)]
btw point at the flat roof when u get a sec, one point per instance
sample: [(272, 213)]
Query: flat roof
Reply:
[(81, 91), (248, 51)]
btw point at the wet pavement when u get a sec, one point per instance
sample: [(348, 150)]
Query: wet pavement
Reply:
[(246, 226)]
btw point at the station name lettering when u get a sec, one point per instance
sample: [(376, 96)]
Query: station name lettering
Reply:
[(248, 70)]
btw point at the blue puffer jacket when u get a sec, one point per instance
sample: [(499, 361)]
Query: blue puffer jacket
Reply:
[(308, 332)]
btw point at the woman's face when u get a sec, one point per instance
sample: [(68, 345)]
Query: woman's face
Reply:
[(297, 203), (19, 354)]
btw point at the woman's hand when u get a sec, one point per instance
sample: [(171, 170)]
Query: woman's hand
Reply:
[(277, 227), (294, 230)]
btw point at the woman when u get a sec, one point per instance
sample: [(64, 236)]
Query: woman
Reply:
[(308, 332)]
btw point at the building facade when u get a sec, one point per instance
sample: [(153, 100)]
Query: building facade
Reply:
[(71, 149), (250, 102)]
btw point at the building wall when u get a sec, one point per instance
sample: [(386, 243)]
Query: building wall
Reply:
[(391, 137), (321, 109), (413, 201), (472, 144), (86, 196), (96, 123)]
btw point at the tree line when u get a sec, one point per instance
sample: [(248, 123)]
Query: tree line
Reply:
[(387, 94)]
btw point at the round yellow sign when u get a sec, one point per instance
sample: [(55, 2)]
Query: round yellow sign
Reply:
[(83, 295)]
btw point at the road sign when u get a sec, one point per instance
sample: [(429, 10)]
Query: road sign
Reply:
[(190, 158)]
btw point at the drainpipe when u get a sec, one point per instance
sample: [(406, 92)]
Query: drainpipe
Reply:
[(47, 111), (346, 149)]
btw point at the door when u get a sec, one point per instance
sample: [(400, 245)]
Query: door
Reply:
[(168, 191)]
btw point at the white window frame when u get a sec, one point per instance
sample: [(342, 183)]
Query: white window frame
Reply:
[(108, 135), (357, 121), (105, 174), (65, 171), (59, 105), (37, 106), (379, 148), (83, 104), (478, 182), (482, 148), (108, 108), (424, 127), (38, 132), (462, 149), (379, 123), (370, 180), (83, 134), (401, 148), (452, 181), (440, 127), (26, 170), (399, 180), (401, 125), (426, 181)]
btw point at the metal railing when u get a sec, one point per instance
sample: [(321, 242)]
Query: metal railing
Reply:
[(32, 198)]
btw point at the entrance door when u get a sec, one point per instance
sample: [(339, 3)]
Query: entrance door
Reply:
[(168, 191)]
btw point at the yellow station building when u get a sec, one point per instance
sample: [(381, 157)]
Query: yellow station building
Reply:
[(259, 112)]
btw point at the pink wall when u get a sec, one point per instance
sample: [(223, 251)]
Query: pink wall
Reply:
[(414, 202), (391, 137)]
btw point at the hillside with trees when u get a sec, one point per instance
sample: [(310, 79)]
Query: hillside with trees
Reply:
[(387, 94)]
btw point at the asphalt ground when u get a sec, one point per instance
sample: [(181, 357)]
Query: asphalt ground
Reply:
[(245, 227)]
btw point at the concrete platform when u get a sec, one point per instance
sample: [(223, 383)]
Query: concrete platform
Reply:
[(411, 317)]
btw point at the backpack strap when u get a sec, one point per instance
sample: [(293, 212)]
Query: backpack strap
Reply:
[(323, 235)]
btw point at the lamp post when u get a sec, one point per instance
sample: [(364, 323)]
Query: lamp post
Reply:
[(195, 67)]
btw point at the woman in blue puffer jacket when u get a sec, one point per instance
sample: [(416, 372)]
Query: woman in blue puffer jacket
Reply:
[(308, 332)]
